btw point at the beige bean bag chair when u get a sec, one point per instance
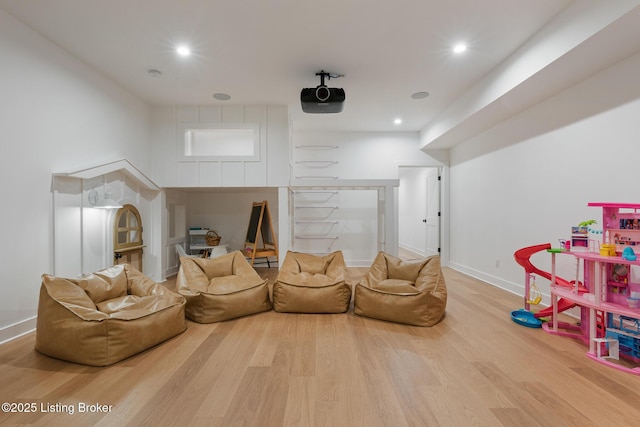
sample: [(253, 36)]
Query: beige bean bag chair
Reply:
[(312, 284), (221, 288), (410, 292), (106, 316)]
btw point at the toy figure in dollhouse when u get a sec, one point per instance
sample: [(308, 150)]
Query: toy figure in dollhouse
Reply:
[(620, 273)]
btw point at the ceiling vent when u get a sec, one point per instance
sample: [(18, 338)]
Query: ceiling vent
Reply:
[(322, 99)]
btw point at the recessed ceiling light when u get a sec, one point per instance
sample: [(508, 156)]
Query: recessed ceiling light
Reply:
[(420, 95), (397, 121), (221, 96), (183, 50), (459, 48)]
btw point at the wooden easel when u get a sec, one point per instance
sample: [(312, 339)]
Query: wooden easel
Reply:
[(260, 220)]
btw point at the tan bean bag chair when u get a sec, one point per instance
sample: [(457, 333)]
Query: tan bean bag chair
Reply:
[(106, 316), (312, 284), (221, 288), (410, 292)]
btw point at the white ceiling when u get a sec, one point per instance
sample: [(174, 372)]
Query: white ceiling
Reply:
[(265, 52)]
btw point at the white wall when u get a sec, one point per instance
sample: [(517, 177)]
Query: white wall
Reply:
[(56, 115), (529, 179), (176, 228), (359, 155), (270, 170)]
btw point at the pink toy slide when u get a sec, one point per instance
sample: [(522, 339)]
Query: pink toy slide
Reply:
[(522, 257)]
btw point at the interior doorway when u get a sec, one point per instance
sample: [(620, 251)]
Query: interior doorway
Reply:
[(127, 237), (419, 209)]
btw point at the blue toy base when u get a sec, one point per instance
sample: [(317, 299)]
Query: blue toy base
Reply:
[(525, 318)]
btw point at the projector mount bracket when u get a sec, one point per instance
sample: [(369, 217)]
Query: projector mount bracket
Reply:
[(322, 91)]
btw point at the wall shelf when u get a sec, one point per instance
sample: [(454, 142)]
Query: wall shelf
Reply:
[(358, 212), (198, 241), (317, 147), (317, 163), (314, 192), (316, 177)]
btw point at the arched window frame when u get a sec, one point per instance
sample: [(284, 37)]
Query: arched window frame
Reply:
[(127, 228)]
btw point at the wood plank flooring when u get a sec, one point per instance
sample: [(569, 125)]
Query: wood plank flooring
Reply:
[(475, 368)]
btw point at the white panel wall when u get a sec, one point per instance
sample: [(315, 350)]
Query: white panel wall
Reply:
[(176, 234), (359, 155), (278, 147), (528, 180), (56, 115), (171, 171), (67, 223)]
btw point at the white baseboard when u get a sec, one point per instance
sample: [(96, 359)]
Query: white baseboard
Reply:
[(409, 248), (517, 289), (171, 272), (16, 330)]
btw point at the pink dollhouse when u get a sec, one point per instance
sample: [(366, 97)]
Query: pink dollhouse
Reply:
[(610, 318)]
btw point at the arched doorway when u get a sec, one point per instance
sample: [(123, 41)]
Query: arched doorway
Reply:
[(127, 237)]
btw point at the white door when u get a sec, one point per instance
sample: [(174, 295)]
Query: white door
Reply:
[(432, 217), (419, 204)]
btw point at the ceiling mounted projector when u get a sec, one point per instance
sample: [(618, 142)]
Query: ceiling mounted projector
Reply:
[(322, 99)]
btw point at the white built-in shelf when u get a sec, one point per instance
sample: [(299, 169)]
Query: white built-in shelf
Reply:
[(317, 147), (197, 241), (314, 192), (317, 163), (316, 177)]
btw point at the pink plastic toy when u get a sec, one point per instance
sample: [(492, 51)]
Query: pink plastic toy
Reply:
[(609, 325)]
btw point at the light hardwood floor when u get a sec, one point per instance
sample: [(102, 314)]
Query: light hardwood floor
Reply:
[(475, 368)]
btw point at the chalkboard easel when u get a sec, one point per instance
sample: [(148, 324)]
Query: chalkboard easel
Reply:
[(260, 228)]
